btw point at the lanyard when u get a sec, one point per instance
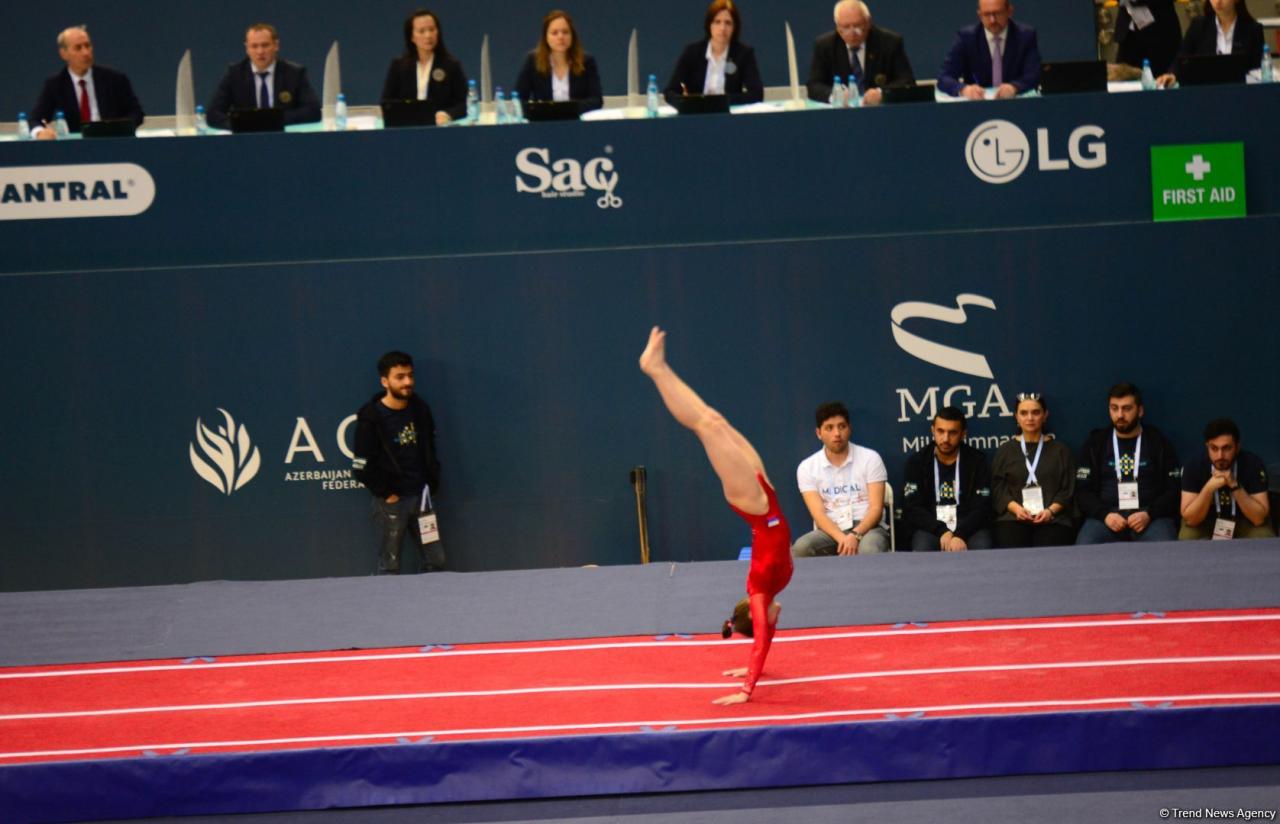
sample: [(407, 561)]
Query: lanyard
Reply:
[(1031, 465), (426, 506), (1137, 455), (1217, 500), (937, 484)]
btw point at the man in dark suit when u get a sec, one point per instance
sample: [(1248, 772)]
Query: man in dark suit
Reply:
[(875, 57), (1147, 30), (970, 68), (83, 92), (261, 81)]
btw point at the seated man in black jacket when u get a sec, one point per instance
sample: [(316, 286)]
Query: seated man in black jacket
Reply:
[(261, 81), (83, 91), (947, 494), (1128, 477), (873, 57), (395, 458)]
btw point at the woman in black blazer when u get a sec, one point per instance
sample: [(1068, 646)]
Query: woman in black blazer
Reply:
[(559, 57), (1202, 35), (427, 71), (740, 78)]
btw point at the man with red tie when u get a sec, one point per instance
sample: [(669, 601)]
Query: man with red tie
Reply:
[(84, 92)]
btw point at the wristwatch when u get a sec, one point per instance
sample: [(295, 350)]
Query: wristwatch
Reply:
[(856, 533)]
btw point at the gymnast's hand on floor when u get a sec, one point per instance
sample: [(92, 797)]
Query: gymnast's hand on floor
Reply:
[(736, 672), (737, 698)]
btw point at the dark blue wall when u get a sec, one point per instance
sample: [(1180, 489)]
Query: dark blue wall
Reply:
[(146, 38), (272, 270)]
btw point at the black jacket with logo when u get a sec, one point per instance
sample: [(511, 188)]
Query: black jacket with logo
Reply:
[(375, 465), (1159, 478), (919, 504)]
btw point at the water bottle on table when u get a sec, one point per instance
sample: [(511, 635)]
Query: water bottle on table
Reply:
[(517, 108), (60, 127), (839, 97), (1148, 79), (24, 128), (473, 102), (651, 97), (340, 113), (500, 105), (1264, 69), (202, 122)]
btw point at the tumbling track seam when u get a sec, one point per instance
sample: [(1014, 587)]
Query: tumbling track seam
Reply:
[(780, 639), (560, 728), (283, 702)]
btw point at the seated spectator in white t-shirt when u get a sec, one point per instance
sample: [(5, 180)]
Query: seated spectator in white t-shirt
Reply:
[(843, 487)]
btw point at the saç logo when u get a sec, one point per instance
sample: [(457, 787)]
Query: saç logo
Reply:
[(567, 177), (997, 151), (230, 459), (957, 360), (85, 190)]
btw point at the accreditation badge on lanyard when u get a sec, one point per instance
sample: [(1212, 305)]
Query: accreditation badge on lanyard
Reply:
[(428, 528), (946, 512), (1032, 494), (1225, 529), (1126, 491)]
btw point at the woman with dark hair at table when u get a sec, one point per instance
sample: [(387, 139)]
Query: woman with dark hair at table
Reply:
[(1225, 27), (720, 63), (1033, 483), (558, 68), (427, 71)]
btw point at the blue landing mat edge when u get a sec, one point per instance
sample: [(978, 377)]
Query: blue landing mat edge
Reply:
[(749, 757)]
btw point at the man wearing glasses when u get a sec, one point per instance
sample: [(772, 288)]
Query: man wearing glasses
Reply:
[(860, 52), (996, 53)]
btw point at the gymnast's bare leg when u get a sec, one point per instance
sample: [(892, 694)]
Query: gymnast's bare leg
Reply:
[(736, 464)]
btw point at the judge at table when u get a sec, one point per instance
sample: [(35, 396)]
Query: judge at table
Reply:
[(426, 70), (720, 63), (263, 81), (996, 53), (558, 69)]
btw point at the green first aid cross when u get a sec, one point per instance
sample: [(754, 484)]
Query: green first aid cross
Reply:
[(1197, 181)]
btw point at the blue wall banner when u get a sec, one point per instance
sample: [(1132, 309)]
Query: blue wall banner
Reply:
[(182, 381)]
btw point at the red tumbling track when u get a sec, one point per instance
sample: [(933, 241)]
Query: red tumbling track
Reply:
[(627, 684)]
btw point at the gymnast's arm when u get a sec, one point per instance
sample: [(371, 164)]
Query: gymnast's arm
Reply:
[(764, 621)]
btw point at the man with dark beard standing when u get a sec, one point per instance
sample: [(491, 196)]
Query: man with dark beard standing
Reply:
[(1128, 477), (395, 458)]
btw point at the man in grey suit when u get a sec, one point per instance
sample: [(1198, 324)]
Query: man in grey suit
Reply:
[(872, 56)]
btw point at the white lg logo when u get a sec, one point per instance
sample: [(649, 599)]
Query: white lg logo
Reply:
[(997, 151)]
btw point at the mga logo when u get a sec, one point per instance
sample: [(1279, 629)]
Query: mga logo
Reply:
[(957, 360), (566, 177), (230, 460), (926, 402), (997, 151), (86, 190)]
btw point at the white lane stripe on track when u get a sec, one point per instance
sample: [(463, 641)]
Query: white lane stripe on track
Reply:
[(718, 685), (780, 639), (1124, 703)]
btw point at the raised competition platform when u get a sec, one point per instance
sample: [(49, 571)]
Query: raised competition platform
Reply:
[(228, 697)]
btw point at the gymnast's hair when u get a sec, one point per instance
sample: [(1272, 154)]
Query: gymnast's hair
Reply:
[(740, 622)]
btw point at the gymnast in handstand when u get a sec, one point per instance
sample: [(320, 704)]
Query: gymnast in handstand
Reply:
[(749, 494)]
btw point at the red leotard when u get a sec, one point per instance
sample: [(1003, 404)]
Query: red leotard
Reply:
[(770, 572)]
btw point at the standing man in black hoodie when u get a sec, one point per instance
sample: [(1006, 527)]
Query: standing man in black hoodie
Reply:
[(395, 458)]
